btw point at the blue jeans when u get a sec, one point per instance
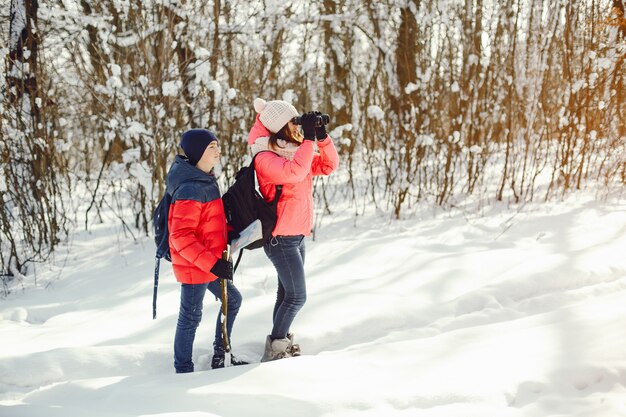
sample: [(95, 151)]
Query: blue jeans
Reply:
[(190, 315), (287, 254)]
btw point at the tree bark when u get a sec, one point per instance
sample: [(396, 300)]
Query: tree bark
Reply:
[(23, 49)]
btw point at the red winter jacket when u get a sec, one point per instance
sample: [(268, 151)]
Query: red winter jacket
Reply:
[(295, 206), (196, 223)]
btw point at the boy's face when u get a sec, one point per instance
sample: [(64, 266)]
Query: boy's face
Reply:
[(210, 157)]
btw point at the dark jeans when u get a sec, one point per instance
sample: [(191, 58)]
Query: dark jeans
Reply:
[(287, 254), (190, 315)]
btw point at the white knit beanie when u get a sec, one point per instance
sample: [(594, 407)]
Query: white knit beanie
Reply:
[(274, 114)]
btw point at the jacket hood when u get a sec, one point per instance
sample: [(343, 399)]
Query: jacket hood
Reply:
[(182, 171), (258, 131)]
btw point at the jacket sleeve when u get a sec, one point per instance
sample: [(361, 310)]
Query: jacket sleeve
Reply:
[(327, 160), (185, 220), (278, 170), (258, 131)]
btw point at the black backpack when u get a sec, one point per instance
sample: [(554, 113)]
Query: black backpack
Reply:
[(244, 203)]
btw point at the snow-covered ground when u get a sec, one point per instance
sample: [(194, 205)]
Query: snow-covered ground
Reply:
[(510, 314)]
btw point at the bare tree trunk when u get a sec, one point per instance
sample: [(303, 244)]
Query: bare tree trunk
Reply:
[(404, 106), (619, 8), (617, 83), (511, 28), (185, 57), (31, 216), (22, 67)]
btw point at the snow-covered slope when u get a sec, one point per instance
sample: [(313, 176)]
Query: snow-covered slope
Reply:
[(511, 314)]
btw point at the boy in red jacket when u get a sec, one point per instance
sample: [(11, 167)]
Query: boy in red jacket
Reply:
[(197, 238)]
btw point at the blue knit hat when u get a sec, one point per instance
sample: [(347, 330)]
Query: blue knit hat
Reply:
[(194, 143)]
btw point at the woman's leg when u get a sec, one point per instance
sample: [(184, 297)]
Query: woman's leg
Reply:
[(286, 253), (280, 296)]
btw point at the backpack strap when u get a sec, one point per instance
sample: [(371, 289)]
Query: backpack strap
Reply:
[(279, 187), (156, 285), (238, 260), (279, 192), (157, 266)]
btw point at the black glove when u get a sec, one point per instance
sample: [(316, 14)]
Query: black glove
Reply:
[(320, 131), (223, 269), (308, 125)]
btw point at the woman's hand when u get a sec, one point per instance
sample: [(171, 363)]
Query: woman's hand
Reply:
[(320, 131), (308, 125)]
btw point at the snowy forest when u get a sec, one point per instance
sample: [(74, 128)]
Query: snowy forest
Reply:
[(431, 102)]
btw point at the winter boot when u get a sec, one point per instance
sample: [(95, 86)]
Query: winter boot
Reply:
[(294, 349), (218, 361), (276, 349)]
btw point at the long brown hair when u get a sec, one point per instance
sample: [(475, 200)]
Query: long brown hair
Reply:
[(284, 134)]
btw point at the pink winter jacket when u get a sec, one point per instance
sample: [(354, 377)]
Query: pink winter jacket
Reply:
[(295, 206)]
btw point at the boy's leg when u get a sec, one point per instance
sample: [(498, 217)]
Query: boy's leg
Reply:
[(189, 317), (234, 302)]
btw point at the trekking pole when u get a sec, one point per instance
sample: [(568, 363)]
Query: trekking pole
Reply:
[(224, 287)]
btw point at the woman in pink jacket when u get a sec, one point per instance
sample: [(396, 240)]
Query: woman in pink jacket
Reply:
[(292, 163)]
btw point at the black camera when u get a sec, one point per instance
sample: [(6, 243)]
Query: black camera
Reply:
[(320, 120)]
